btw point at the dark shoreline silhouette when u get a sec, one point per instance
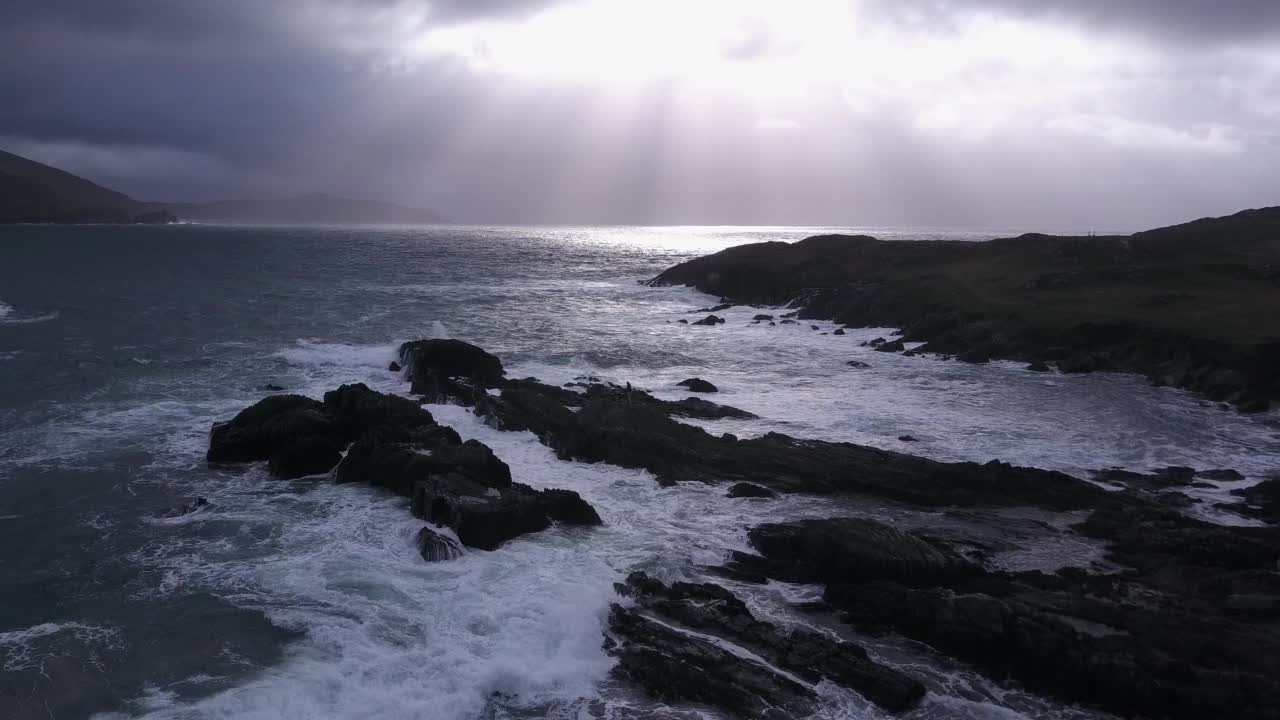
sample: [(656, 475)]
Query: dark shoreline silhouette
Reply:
[(1192, 305)]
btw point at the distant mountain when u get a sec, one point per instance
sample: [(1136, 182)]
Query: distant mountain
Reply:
[(35, 192), (316, 208)]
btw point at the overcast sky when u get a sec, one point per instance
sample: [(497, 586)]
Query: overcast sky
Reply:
[(1054, 114)]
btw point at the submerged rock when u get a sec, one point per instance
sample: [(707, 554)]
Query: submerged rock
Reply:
[(747, 490), (698, 385), (436, 547), (857, 364)]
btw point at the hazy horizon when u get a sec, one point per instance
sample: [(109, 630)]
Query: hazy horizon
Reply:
[(969, 113)]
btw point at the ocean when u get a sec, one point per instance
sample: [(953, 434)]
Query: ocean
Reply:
[(121, 345)]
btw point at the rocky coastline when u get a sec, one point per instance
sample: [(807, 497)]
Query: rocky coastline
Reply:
[(1188, 306), (1177, 618)]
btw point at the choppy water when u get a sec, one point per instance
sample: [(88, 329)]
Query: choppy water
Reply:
[(119, 346)]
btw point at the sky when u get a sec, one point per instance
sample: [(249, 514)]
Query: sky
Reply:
[(1031, 114)]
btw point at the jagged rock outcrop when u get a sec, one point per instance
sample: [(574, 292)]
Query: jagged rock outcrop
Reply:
[(397, 445), (656, 652), (1177, 636)]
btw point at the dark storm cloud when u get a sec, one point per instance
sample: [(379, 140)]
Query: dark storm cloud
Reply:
[(170, 99)]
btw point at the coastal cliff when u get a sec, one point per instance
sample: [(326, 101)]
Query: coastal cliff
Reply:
[(1191, 305)]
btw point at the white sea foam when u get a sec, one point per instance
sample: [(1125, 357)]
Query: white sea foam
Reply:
[(29, 647)]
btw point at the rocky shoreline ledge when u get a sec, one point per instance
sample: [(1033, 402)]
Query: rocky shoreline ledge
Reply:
[(1181, 619), (1190, 306)]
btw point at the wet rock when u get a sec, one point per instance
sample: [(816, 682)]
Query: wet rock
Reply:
[(359, 408), (976, 356), (791, 314), (855, 550), (674, 666), (1219, 474), (838, 331), (566, 506), (450, 370), (875, 342), (269, 426), (437, 547), (693, 407), (710, 609), (857, 364), (710, 320), (682, 321), (698, 385), (641, 434), (814, 327), (195, 505), (394, 366), (714, 309), (747, 490), (1038, 366), (308, 456), (271, 387), (893, 346), (482, 517), (762, 318), (907, 438), (790, 322), (1261, 501)]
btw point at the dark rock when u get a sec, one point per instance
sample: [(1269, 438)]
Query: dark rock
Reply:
[(566, 506), (360, 408), (814, 327), (709, 320), (762, 317), (975, 356), (894, 346), (855, 550), (394, 366), (838, 331), (673, 666), (698, 385), (791, 314), (715, 309), (1221, 474), (450, 370), (482, 517), (1038, 366), (1263, 500), (271, 387), (876, 342), (269, 426), (307, 456), (682, 321), (710, 609), (747, 490), (435, 547), (907, 438), (694, 407), (194, 506), (857, 364), (790, 322), (641, 434)]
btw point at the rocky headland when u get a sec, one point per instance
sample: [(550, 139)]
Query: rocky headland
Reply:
[(1190, 306), (1174, 617)]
